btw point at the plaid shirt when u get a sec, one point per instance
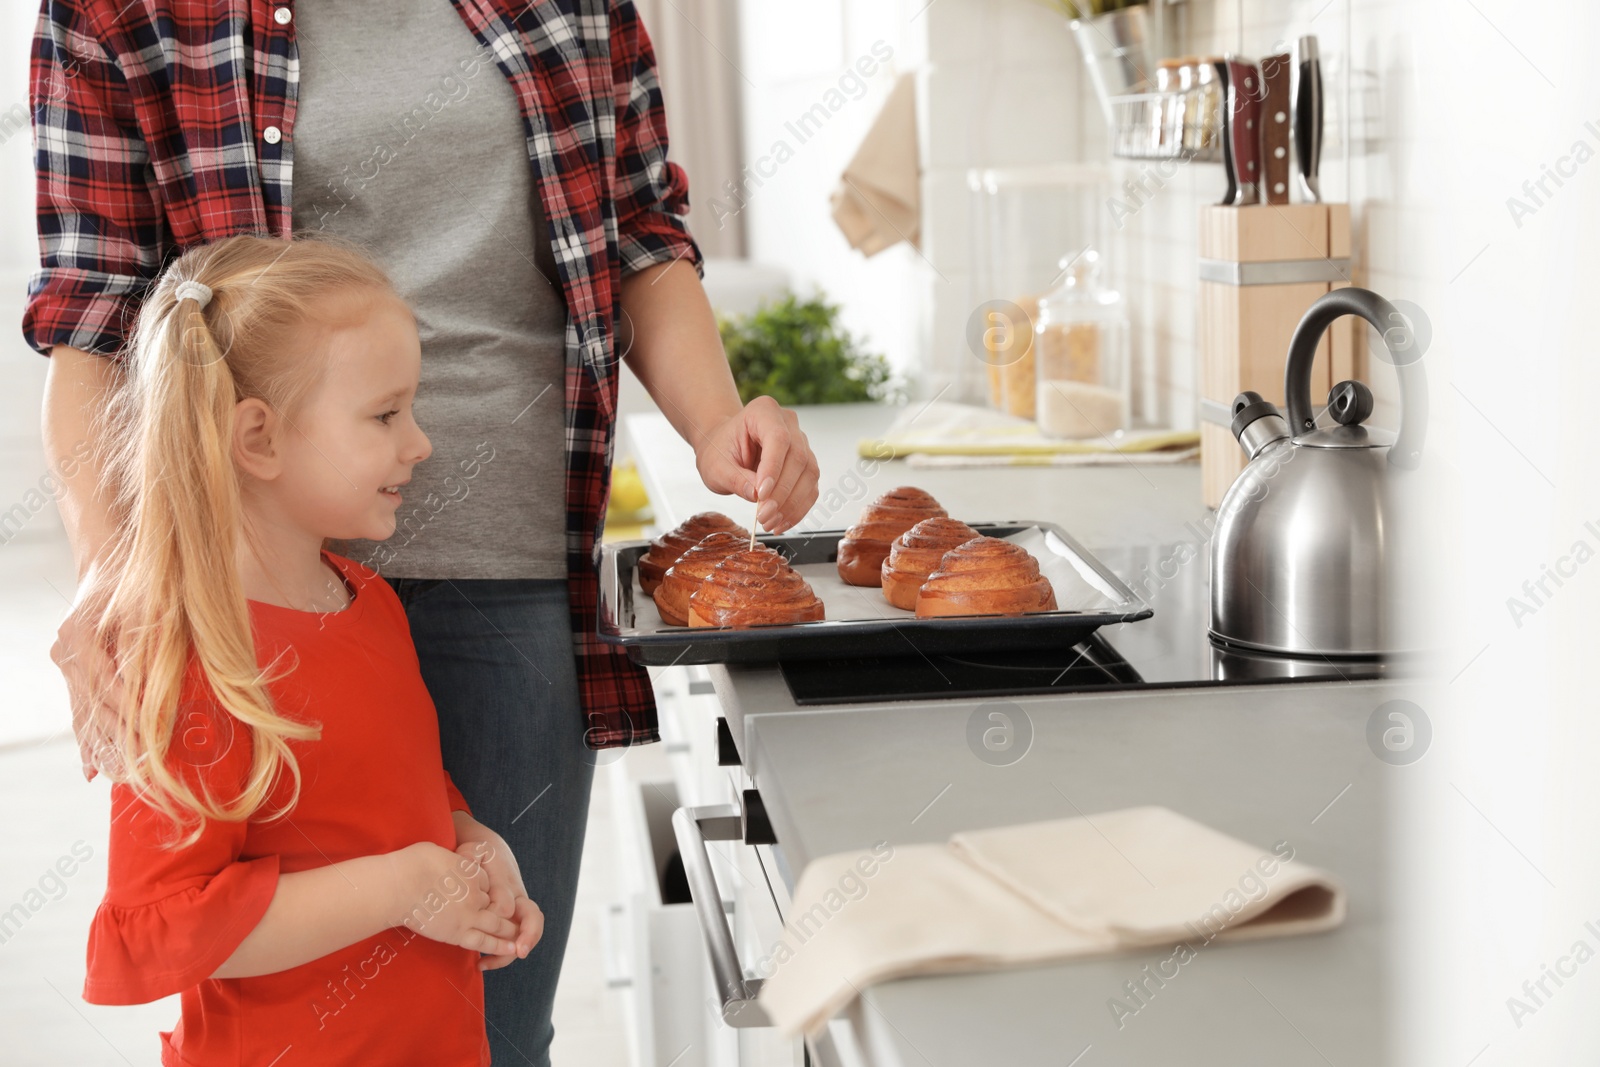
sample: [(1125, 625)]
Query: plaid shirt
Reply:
[(164, 124)]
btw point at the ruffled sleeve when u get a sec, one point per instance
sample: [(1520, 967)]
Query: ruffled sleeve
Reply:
[(171, 917), (457, 801)]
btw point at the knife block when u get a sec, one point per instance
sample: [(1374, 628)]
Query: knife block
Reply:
[(1261, 267)]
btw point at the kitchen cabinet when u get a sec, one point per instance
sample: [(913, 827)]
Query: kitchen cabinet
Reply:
[(655, 955)]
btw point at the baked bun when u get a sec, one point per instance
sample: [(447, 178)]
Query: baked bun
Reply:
[(866, 544), (753, 587), (665, 550), (985, 576), (685, 576), (916, 553)]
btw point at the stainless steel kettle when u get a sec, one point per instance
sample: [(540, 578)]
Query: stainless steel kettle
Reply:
[(1305, 544)]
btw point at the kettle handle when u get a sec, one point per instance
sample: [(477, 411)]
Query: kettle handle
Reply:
[(1403, 352)]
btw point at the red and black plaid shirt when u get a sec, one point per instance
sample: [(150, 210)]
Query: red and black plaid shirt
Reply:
[(164, 124)]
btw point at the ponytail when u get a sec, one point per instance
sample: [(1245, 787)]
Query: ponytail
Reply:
[(170, 590)]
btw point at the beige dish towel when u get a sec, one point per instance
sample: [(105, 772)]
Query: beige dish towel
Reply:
[(1028, 894), (943, 428), (879, 198)]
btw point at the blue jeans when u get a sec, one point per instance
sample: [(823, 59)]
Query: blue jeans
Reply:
[(497, 658)]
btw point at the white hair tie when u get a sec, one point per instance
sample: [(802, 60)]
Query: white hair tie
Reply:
[(199, 291)]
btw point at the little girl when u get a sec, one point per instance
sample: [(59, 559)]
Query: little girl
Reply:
[(287, 850)]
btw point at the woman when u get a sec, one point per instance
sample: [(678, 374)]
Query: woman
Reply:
[(507, 164)]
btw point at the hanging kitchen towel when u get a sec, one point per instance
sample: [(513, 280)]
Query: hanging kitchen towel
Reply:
[(1029, 894), (879, 200)]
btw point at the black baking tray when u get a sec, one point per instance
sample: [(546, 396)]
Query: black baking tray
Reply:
[(897, 634)]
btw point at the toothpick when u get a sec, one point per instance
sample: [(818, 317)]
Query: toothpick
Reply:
[(753, 521)]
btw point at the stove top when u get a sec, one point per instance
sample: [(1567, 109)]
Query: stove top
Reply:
[(1172, 649)]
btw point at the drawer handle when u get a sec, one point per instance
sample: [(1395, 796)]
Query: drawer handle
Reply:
[(693, 827), (616, 972)]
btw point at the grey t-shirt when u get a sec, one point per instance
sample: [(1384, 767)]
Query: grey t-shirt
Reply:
[(407, 139)]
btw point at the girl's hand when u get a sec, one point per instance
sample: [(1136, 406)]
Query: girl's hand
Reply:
[(530, 927), (508, 896), (446, 897)]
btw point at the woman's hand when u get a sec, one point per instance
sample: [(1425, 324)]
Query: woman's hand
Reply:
[(465, 916), (761, 449), (93, 687), (508, 896)]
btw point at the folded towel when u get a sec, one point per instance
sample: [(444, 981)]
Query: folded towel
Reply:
[(1030, 894), (1162, 458), (879, 198), (945, 428)]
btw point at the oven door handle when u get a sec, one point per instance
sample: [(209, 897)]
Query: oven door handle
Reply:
[(693, 827)]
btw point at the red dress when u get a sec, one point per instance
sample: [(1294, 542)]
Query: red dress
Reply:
[(373, 783)]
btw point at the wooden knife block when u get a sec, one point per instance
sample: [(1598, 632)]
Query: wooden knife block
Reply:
[(1255, 261)]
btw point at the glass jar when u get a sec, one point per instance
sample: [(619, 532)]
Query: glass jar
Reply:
[(1082, 358)]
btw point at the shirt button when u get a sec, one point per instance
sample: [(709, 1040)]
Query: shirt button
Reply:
[(282, 15), (271, 135)]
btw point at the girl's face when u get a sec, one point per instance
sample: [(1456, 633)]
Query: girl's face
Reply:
[(345, 458)]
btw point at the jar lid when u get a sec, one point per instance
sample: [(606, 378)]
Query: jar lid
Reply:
[(1080, 285)]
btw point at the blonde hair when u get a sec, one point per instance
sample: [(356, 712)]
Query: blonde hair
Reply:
[(171, 587)]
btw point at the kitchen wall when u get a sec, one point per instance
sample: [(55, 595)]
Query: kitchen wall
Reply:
[(793, 54), (996, 87), (1000, 85)]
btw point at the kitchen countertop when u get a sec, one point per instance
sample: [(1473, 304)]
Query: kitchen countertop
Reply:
[(1124, 503), (1260, 762), (1264, 764)]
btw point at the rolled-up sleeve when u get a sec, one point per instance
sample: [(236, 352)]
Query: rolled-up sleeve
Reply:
[(171, 917), (98, 219), (651, 191)]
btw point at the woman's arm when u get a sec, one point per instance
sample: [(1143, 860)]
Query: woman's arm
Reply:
[(75, 391), (670, 340), (102, 238), (76, 388), (668, 333)]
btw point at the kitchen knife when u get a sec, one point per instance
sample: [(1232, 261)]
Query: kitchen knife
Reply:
[(1230, 167), (1244, 134), (1275, 114), (1306, 92)]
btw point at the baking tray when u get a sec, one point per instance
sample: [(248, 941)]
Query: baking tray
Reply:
[(629, 618)]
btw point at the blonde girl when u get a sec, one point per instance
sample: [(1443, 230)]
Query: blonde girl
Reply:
[(287, 851)]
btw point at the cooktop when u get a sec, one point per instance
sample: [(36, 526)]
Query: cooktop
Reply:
[(1171, 649)]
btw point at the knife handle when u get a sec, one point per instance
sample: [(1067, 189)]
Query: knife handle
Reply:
[(1244, 111), (1230, 166), (1275, 128), (1307, 134)]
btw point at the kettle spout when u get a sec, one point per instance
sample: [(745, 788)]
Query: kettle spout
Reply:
[(1256, 423)]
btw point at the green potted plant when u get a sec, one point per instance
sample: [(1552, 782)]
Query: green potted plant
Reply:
[(796, 351)]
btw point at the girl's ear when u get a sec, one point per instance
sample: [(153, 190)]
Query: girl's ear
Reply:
[(255, 431)]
